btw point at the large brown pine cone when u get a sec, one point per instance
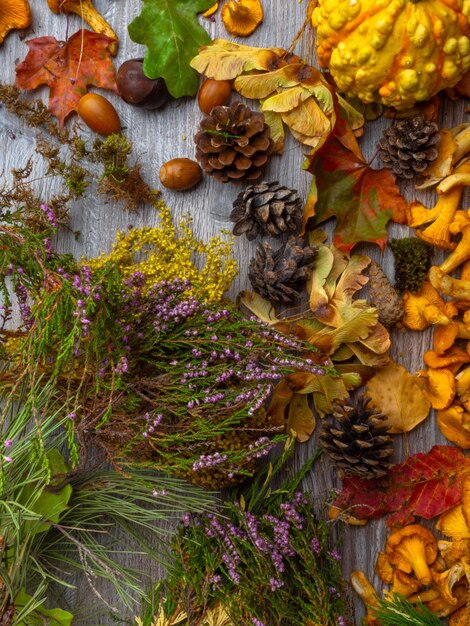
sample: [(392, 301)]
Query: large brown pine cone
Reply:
[(409, 146), (279, 276), (233, 143), (356, 440), (266, 209)]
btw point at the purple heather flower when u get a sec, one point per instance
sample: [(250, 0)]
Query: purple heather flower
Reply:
[(315, 545), (335, 555), (8, 459), (8, 443)]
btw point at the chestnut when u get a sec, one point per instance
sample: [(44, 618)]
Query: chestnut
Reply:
[(99, 114), (137, 89), (213, 93), (180, 174)]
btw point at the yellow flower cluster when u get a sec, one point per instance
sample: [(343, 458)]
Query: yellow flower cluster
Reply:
[(166, 252)]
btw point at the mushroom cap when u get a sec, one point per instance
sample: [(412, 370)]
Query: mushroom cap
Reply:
[(444, 337), (453, 356), (454, 424), (424, 308), (438, 385), (453, 524), (242, 17), (446, 581), (14, 14)]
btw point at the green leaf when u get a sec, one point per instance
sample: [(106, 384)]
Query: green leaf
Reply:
[(40, 615), (172, 34), (52, 502)]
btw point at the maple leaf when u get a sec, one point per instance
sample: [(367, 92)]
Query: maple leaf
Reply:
[(424, 486), (68, 68), (363, 200), (396, 394), (172, 34)]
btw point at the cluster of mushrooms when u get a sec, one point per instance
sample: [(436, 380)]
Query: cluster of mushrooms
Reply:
[(444, 301), (422, 568)]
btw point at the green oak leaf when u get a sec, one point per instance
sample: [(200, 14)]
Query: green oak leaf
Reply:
[(172, 34)]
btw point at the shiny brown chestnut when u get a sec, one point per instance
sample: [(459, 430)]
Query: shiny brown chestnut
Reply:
[(137, 89), (180, 174)]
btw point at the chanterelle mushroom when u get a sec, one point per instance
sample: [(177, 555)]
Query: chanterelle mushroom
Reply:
[(241, 17), (14, 14), (86, 10), (412, 549)]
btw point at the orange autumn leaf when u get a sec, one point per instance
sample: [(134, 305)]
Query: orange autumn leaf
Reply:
[(68, 68)]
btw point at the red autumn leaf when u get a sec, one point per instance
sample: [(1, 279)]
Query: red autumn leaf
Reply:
[(67, 67), (363, 200), (425, 485)]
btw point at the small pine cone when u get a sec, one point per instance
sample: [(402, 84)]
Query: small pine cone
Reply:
[(278, 276), (7, 618), (356, 440), (384, 296), (267, 208), (233, 143), (408, 147)]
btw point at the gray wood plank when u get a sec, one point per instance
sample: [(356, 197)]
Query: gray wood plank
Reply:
[(160, 136)]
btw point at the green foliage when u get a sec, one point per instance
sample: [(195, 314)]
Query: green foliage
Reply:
[(412, 262), (268, 559), (398, 611), (172, 34), (25, 616)]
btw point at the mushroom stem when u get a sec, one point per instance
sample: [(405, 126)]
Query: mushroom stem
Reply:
[(412, 548), (237, 10)]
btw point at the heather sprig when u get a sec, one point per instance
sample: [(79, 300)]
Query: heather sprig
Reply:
[(275, 564)]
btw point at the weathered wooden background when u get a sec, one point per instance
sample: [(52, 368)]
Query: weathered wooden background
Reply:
[(160, 136)]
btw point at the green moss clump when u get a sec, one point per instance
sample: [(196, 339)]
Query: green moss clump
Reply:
[(412, 262)]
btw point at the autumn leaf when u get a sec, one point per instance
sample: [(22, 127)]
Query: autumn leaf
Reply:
[(395, 393), (68, 68), (170, 31), (363, 200), (225, 60), (289, 91), (424, 486), (300, 418), (262, 308)]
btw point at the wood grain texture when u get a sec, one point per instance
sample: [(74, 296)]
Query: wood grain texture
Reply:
[(160, 136)]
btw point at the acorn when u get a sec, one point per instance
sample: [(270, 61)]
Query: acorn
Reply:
[(180, 174), (213, 93), (137, 89), (99, 114)]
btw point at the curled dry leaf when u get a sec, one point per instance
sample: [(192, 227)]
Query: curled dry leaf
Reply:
[(395, 393)]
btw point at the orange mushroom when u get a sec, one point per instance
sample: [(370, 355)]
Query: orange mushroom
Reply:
[(242, 17), (412, 549), (424, 308), (362, 586), (460, 617), (454, 424), (86, 10), (439, 387), (453, 356), (14, 14), (452, 523), (444, 337)]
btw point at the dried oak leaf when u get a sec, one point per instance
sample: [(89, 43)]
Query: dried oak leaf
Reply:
[(395, 393), (362, 199), (172, 35), (68, 68), (425, 485)]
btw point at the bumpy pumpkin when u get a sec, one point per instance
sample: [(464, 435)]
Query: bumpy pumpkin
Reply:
[(396, 52)]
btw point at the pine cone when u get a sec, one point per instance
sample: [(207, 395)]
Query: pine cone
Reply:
[(408, 146), (7, 618), (384, 296), (356, 440), (278, 276), (234, 143), (267, 208)]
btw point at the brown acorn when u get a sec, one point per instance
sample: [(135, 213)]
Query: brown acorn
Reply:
[(180, 174), (99, 114), (213, 93)]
